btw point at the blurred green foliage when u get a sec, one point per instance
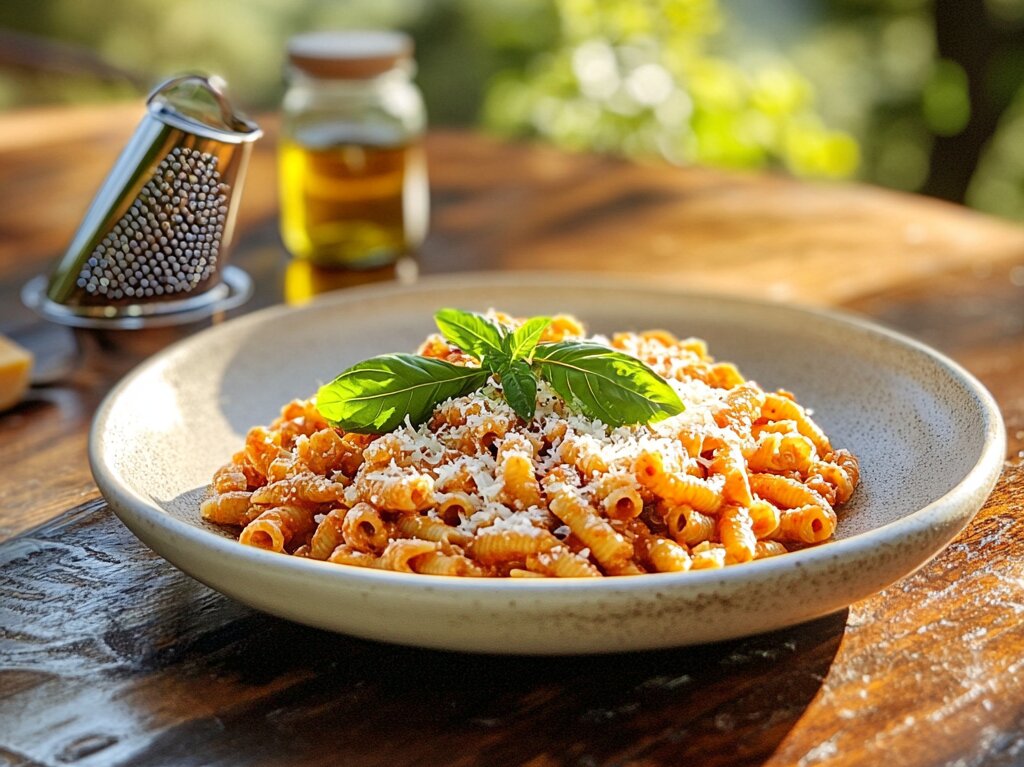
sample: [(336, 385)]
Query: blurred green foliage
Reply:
[(640, 77), (825, 88), (923, 122)]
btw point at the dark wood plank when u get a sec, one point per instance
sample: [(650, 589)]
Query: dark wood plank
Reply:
[(110, 656)]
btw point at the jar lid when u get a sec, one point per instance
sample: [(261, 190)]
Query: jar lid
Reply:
[(350, 54)]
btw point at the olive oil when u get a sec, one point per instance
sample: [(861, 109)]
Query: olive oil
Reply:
[(349, 204)]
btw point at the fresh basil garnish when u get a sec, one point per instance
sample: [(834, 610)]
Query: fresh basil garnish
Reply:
[(376, 395), (606, 384), (519, 385), (520, 343), (379, 394), (473, 333)]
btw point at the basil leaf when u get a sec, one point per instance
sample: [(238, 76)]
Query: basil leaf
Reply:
[(519, 385), (473, 333), (376, 395), (606, 384), (519, 344)]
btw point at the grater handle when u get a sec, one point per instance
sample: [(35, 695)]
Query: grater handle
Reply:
[(214, 84)]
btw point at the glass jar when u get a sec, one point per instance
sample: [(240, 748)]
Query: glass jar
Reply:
[(353, 175)]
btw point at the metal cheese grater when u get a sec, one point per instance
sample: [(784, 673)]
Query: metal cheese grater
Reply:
[(152, 247)]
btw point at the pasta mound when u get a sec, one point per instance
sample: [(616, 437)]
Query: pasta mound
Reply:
[(740, 475)]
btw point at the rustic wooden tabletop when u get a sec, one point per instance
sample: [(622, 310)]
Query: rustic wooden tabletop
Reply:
[(108, 656)]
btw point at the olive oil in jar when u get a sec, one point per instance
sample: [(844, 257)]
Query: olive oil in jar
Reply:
[(352, 171), (352, 203)]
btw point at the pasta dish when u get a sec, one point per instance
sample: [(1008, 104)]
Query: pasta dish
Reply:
[(476, 489)]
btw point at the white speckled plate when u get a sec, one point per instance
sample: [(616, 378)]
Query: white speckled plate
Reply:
[(930, 440)]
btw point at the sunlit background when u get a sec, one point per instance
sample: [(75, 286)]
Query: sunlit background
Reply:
[(921, 95)]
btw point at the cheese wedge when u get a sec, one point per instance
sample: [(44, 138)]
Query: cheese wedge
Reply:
[(15, 372)]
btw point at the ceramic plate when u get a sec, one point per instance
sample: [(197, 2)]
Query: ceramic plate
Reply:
[(930, 441)]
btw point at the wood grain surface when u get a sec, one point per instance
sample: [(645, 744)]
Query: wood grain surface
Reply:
[(110, 656)]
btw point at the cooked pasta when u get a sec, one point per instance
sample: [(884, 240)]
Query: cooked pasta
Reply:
[(741, 474)]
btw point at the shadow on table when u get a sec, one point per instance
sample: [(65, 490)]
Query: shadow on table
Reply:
[(332, 699)]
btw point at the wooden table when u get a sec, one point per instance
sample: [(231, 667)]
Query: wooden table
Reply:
[(110, 656)]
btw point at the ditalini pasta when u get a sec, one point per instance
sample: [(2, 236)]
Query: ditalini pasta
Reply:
[(741, 474)]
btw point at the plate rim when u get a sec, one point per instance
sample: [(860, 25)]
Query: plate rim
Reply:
[(983, 475)]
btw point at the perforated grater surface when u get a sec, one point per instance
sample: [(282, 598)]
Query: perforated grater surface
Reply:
[(151, 249)]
